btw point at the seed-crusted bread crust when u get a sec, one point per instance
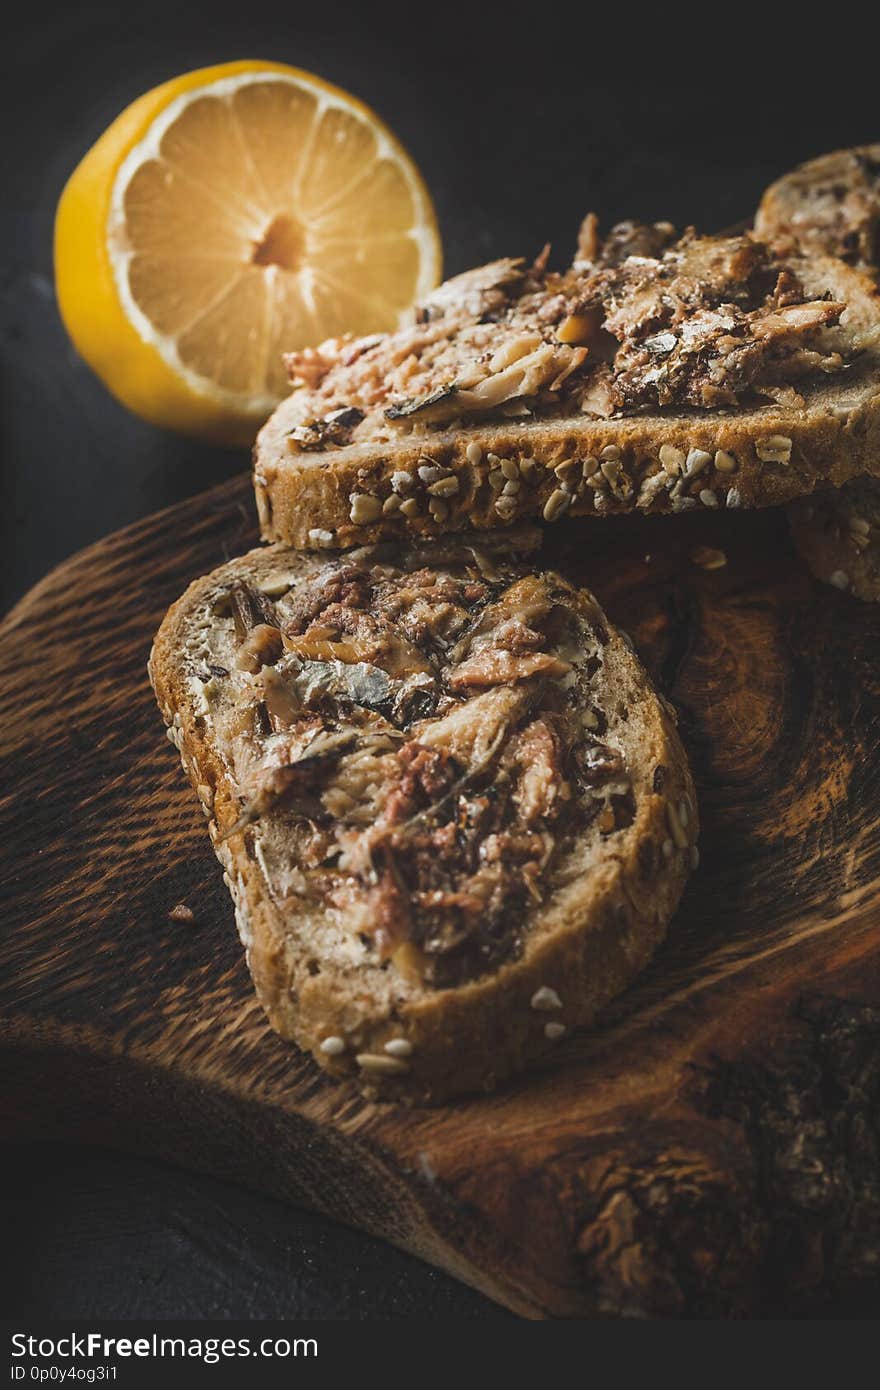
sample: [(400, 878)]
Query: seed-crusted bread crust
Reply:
[(831, 205), (806, 410), (597, 915)]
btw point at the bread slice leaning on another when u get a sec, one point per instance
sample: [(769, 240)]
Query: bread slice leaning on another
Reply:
[(655, 374), (454, 815), (831, 205)]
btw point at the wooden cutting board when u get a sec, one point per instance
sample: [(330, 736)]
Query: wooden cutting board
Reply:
[(712, 1150)]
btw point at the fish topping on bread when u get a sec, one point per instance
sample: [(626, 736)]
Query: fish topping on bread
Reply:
[(693, 321), (420, 732), (657, 373), (435, 771)]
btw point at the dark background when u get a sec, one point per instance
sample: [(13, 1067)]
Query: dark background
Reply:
[(521, 118)]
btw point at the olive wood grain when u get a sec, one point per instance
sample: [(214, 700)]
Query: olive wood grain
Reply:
[(711, 1150)]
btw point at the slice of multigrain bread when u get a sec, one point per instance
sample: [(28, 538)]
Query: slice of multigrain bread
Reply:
[(831, 205), (655, 374), (455, 817)]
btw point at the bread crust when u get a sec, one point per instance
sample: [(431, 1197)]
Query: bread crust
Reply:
[(590, 941), (650, 463), (831, 205)]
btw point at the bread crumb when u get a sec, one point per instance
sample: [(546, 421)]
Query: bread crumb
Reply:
[(182, 913)]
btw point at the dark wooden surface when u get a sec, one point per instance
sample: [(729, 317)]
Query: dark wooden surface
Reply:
[(712, 1147)]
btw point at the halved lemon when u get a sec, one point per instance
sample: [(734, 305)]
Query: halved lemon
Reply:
[(228, 216)]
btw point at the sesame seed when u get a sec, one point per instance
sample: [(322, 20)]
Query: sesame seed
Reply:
[(675, 825), (672, 459), (667, 848), (364, 508), (509, 468), (333, 1046), (398, 1047), (556, 504), (776, 448), (391, 503), (496, 480), (695, 462), (650, 486), (611, 451), (438, 509), (566, 469), (589, 466), (734, 497), (505, 507), (858, 524), (528, 467), (840, 579), (708, 497), (554, 1031), (545, 999), (409, 507), (511, 487), (444, 487), (182, 913), (387, 1066), (725, 462), (473, 454), (321, 537)]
